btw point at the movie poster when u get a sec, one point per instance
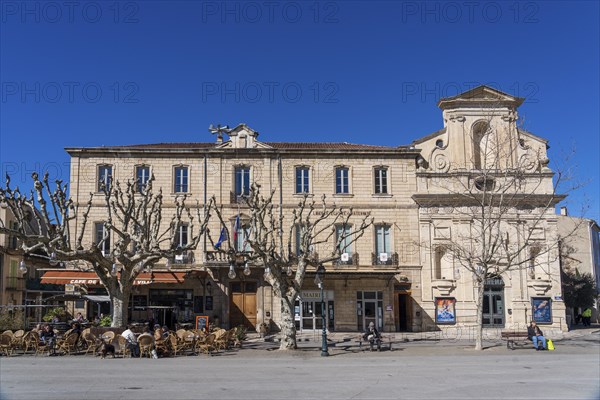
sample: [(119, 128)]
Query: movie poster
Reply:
[(445, 312), (542, 310)]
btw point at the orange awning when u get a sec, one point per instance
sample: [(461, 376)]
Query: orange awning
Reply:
[(90, 278)]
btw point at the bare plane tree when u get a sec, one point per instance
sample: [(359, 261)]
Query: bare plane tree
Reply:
[(46, 221), (271, 240)]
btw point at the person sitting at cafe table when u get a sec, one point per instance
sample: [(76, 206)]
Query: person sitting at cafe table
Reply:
[(48, 337), (79, 318), (166, 332), (132, 342)]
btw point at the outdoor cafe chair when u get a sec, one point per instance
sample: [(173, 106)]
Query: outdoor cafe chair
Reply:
[(90, 342), (29, 341), (175, 344), (121, 342), (68, 343), (6, 345), (108, 336), (146, 344), (207, 346)]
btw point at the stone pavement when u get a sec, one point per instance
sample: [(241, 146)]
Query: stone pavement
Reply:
[(349, 341), (418, 369)]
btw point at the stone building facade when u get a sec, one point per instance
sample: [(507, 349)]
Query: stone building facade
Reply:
[(580, 251), (388, 277)]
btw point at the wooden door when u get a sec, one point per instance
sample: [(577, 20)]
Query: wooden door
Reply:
[(242, 310)]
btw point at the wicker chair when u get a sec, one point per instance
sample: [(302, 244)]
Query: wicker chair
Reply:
[(222, 339), (121, 347), (207, 346), (29, 341), (6, 345), (146, 343), (108, 336), (90, 342), (68, 344), (175, 345)]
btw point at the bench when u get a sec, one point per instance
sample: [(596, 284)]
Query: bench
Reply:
[(515, 337), (381, 343)]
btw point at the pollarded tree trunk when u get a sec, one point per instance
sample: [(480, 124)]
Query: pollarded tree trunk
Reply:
[(479, 327), (119, 297), (288, 325)]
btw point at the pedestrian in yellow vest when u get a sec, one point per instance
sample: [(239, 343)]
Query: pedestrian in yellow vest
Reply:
[(587, 316)]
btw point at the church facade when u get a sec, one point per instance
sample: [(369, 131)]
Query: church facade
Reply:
[(400, 274)]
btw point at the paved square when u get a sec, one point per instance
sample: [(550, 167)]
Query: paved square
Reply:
[(411, 371)]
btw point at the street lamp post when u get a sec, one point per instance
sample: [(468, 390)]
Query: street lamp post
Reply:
[(319, 281)]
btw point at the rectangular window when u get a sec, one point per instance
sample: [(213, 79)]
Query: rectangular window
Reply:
[(181, 238), (302, 185), (345, 245), (181, 180), (381, 181), (142, 175), (342, 180), (104, 177), (13, 242), (382, 242), (13, 275), (100, 232), (242, 181)]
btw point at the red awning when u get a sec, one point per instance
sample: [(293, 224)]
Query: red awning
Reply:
[(90, 278)]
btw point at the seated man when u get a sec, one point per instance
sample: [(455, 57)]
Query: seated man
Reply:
[(373, 336), (132, 342), (536, 335)]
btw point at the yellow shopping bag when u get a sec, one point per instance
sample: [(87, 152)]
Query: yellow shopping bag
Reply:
[(550, 344)]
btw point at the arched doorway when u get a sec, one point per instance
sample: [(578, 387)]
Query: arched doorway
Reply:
[(493, 302)]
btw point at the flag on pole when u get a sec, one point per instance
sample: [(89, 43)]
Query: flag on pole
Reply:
[(236, 227), (222, 237)]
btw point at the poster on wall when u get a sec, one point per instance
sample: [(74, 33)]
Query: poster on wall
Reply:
[(445, 312), (202, 322), (542, 310)]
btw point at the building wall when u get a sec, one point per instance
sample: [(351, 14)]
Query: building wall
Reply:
[(415, 228)]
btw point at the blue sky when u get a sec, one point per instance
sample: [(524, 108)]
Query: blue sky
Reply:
[(110, 73)]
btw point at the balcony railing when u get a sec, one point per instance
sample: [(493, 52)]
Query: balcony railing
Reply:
[(220, 257), (187, 257), (352, 259), (390, 259), (237, 198)]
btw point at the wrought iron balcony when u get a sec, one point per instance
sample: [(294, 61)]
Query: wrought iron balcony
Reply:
[(352, 259), (237, 198), (187, 257), (390, 259)]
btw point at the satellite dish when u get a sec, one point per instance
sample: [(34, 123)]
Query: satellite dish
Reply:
[(345, 257), (383, 257)]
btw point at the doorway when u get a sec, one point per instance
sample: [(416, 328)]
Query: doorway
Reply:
[(242, 306), (404, 312), (493, 303), (369, 308)]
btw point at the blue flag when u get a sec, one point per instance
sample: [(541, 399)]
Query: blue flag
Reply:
[(222, 237)]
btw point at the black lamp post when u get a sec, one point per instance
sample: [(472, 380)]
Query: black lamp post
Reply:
[(319, 281)]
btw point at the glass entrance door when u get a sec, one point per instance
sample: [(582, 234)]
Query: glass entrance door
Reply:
[(493, 306), (309, 315)]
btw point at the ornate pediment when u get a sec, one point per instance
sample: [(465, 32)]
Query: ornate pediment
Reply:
[(478, 96), (243, 137)]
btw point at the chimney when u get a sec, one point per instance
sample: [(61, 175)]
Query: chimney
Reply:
[(563, 211), (219, 138)]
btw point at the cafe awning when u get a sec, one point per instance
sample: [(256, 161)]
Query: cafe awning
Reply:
[(66, 277)]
